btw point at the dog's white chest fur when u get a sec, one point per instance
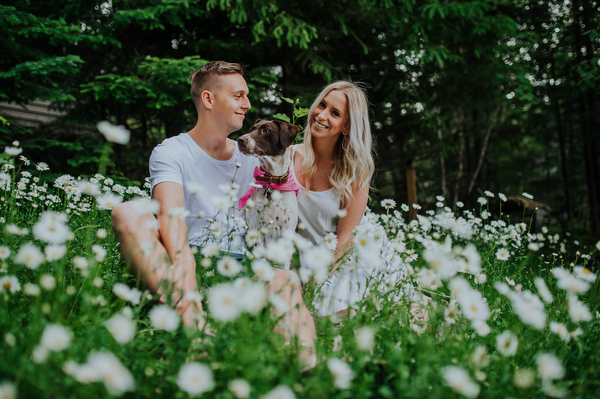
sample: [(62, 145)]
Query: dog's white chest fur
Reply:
[(274, 210)]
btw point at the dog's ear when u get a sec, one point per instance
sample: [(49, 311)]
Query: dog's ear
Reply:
[(287, 133)]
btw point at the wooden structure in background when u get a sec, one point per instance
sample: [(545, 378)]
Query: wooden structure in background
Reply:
[(30, 116)]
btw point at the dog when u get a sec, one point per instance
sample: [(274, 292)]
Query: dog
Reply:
[(270, 142)]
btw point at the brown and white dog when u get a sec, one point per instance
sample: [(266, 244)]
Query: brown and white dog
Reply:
[(269, 141)]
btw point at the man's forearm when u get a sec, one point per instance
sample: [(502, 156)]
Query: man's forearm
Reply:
[(174, 236)]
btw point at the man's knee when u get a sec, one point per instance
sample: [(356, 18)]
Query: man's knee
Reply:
[(124, 218)]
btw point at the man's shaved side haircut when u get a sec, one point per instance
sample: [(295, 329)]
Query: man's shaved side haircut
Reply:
[(206, 78)]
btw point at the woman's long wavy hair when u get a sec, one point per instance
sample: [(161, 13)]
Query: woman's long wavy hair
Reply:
[(353, 153)]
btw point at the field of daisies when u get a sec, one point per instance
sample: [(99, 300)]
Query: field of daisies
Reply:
[(511, 313)]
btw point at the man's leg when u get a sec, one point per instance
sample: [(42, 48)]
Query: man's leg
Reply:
[(297, 322), (145, 254)]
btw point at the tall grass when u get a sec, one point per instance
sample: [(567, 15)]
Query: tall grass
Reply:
[(381, 351)]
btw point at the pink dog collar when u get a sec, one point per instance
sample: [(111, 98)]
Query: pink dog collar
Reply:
[(289, 185)]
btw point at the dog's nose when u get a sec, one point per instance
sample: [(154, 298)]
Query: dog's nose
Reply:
[(241, 140)]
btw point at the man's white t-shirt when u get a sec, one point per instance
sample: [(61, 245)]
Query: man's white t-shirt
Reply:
[(205, 183)]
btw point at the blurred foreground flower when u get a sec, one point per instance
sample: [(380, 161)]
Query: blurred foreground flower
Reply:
[(280, 392), (549, 367), (56, 338), (105, 367), (9, 284), (195, 378), (12, 151), (365, 337), (52, 228), (112, 133), (507, 343), (163, 317), (126, 293), (458, 379), (342, 373), (7, 390), (121, 327), (30, 256), (239, 388)]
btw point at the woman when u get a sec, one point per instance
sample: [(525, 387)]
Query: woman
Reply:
[(334, 166)]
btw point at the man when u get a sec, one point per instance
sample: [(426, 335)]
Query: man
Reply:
[(204, 156)]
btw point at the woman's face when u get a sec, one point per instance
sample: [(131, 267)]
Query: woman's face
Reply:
[(330, 117)]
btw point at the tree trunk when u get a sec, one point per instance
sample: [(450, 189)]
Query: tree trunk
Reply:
[(441, 155), (491, 123), (460, 159), (563, 149)]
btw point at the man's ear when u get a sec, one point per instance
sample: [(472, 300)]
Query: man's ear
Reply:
[(207, 99), (287, 133)]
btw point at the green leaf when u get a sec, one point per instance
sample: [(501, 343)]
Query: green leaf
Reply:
[(282, 117)]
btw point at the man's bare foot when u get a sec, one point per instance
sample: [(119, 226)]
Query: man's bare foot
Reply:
[(307, 356)]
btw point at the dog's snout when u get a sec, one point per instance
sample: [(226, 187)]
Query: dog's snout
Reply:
[(242, 139)]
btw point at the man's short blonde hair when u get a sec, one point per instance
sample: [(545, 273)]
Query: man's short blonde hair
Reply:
[(206, 78)]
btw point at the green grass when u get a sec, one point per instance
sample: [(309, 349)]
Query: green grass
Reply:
[(400, 363)]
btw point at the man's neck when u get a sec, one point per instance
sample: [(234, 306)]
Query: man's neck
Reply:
[(215, 144)]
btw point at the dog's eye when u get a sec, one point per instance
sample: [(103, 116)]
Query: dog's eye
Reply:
[(265, 131)]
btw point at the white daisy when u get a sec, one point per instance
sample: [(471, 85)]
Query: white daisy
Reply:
[(9, 284), (342, 373), (524, 378), (30, 256), (114, 134), (4, 252), (105, 367), (263, 270), (223, 302), (280, 392), (123, 291), (549, 367), (121, 327), (228, 266), (163, 317), (108, 201), (365, 337), (195, 378), (239, 388), (55, 338), (507, 343), (388, 204), (502, 254), (458, 379)]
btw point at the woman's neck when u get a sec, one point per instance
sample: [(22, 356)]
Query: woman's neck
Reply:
[(323, 150)]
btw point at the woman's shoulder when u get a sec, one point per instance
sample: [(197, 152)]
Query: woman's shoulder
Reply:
[(298, 152)]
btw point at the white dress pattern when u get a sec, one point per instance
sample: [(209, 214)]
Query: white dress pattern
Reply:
[(354, 278)]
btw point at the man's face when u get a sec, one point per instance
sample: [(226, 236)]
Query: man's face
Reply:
[(231, 101)]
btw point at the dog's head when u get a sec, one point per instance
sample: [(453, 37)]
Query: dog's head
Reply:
[(268, 138)]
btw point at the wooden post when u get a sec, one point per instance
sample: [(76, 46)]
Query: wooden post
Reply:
[(411, 188)]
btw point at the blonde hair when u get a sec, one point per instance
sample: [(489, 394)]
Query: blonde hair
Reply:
[(353, 153)]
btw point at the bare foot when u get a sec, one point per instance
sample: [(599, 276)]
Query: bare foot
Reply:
[(307, 356)]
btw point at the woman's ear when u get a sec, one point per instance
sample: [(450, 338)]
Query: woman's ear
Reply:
[(346, 129)]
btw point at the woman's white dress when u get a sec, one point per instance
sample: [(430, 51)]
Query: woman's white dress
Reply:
[(370, 268)]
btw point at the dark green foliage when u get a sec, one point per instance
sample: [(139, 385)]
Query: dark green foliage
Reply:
[(498, 95)]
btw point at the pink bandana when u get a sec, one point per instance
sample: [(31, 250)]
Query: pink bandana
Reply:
[(289, 185)]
